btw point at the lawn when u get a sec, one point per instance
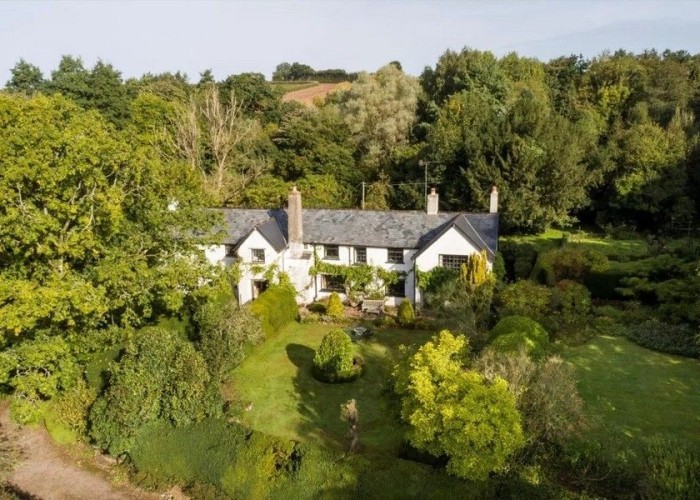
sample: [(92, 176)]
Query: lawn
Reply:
[(288, 402), (633, 393)]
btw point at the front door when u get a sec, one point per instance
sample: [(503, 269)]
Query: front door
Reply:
[(259, 286)]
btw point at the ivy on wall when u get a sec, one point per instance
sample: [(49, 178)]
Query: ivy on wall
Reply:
[(358, 278)]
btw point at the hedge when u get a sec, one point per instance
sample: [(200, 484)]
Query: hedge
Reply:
[(217, 459), (276, 307)]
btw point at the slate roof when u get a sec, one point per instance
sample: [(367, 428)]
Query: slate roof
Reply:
[(384, 229)]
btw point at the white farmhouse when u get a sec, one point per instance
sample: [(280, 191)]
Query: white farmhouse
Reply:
[(403, 241)]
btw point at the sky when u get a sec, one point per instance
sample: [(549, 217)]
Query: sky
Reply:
[(232, 37)]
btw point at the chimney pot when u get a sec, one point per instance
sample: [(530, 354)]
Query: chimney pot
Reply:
[(294, 223), (432, 204), (493, 206)]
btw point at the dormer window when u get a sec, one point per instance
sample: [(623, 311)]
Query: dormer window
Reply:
[(331, 252), (230, 250), (257, 255)]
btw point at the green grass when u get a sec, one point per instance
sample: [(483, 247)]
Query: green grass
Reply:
[(632, 393), (285, 87), (288, 402)]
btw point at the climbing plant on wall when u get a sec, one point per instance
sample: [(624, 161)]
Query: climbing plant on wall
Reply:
[(359, 278)]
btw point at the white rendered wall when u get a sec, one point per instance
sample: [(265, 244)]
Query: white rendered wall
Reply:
[(255, 240), (452, 242), (375, 257)]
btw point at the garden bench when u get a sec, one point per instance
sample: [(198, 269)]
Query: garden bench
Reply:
[(373, 306)]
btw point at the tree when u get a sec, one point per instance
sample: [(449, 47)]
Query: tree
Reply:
[(86, 236), (351, 415), (71, 79), (107, 93), (282, 72), (218, 142), (314, 141), (256, 96), (455, 72), (298, 71), (37, 371), (545, 394), (454, 411), (224, 331), (535, 155), (380, 110), (160, 377), (26, 78)]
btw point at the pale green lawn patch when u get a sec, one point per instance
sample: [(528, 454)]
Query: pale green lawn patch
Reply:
[(288, 402), (632, 393)]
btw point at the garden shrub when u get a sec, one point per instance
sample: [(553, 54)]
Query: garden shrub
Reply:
[(545, 394), (599, 469), (499, 268), (665, 337), (571, 301), (519, 257), (513, 333), (160, 377), (671, 470), (335, 307), (385, 321), (572, 263), (257, 466), (524, 298), (317, 307), (406, 316), (224, 331), (71, 409), (334, 361), (200, 452), (276, 307)]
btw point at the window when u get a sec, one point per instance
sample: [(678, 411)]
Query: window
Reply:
[(395, 255), (398, 289), (230, 250), (332, 283), (331, 252), (257, 255), (360, 255), (452, 261)]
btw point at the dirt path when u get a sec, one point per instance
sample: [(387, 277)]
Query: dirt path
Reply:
[(48, 472)]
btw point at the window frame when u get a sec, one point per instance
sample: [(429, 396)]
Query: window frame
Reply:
[(357, 258), (326, 256), (456, 261), (257, 260), (389, 259), (389, 289), (339, 286)]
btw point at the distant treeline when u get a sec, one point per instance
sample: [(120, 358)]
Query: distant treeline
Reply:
[(295, 72)]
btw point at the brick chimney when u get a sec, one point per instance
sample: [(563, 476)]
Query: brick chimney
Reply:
[(432, 205), (493, 208), (294, 223)]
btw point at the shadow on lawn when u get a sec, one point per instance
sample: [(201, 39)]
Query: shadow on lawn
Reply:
[(318, 403)]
